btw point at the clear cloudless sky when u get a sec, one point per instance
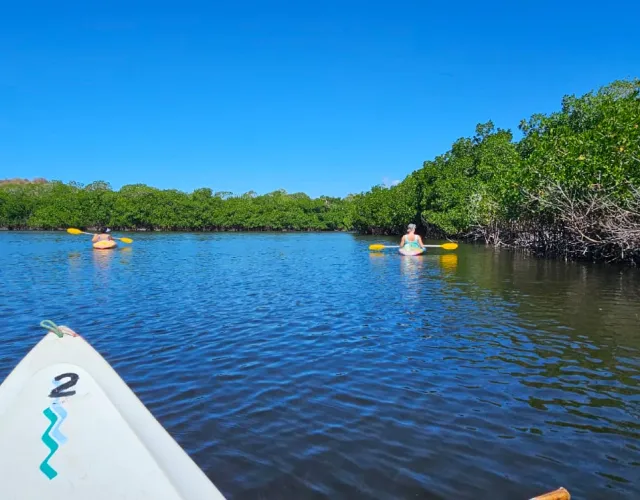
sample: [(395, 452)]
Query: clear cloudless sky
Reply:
[(326, 97)]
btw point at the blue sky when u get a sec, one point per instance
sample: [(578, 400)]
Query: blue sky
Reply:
[(323, 97)]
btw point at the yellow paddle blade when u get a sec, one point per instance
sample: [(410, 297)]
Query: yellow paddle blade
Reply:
[(126, 240), (376, 247), (73, 230), (449, 246)]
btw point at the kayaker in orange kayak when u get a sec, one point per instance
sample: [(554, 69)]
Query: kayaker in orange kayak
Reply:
[(102, 235)]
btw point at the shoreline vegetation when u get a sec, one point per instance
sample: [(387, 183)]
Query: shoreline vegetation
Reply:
[(569, 188)]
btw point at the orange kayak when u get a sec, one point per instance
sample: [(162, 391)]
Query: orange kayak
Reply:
[(105, 245), (559, 494)]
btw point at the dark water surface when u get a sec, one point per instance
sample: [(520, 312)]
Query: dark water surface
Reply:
[(303, 366)]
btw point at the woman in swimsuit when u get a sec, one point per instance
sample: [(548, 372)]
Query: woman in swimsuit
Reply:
[(103, 235), (411, 239)]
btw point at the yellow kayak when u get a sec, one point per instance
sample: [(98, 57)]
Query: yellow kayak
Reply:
[(105, 245)]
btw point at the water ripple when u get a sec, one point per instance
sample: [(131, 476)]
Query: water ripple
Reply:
[(303, 366)]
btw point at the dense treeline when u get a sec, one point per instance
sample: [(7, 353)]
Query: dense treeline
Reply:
[(568, 187), (54, 205)]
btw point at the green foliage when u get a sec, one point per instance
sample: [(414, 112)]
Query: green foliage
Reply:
[(472, 183), (489, 180), (384, 210), (593, 141), (54, 205)]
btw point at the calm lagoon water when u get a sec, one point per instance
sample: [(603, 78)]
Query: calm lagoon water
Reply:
[(304, 366)]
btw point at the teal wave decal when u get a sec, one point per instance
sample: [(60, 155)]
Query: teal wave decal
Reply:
[(46, 469), (62, 415)]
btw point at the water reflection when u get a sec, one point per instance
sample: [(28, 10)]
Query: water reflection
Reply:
[(75, 259), (411, 266), (125, 255), (448, 262), (412, 284), (102, 258)]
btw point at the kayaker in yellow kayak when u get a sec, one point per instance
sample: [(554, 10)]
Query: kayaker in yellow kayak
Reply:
[(102, 235), (411, 239)]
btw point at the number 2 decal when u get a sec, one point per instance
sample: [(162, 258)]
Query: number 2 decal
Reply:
[(62, 390)]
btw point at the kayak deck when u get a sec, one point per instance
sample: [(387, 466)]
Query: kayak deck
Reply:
[(77, 431), (411, 251), (105, 245)]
